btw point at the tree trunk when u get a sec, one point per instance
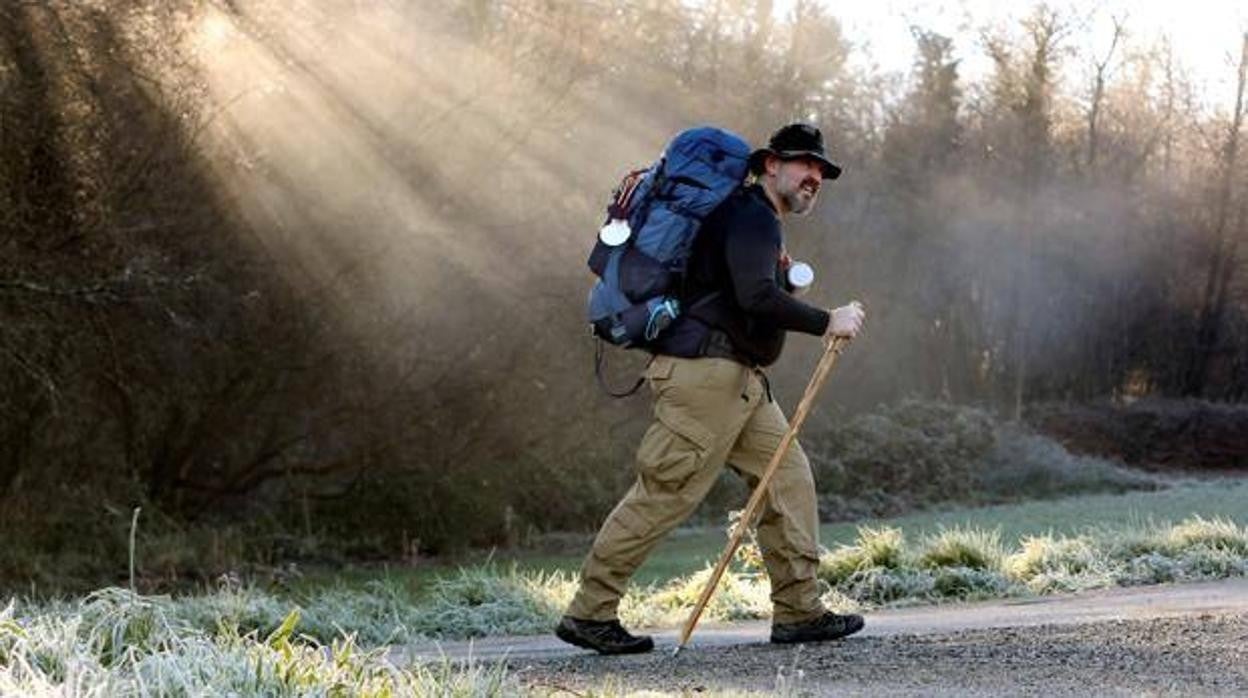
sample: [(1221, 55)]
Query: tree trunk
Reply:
[(1221, 263)]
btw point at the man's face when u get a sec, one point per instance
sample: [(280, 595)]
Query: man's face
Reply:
[(797, 182)]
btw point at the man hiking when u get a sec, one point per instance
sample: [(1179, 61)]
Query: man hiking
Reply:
[(713, 406)]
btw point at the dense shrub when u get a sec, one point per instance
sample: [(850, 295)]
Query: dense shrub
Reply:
[(1025, 465), (921, 453), (1156, 433)]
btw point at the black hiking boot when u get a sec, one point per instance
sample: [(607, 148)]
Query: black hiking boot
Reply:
[(604, 637), (829, 626)]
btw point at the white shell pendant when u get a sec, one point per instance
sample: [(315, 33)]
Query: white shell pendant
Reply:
[(615, 233), (801, 276)]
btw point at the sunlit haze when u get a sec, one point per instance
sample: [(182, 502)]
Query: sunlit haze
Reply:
[(1204, 34), (305, 283)]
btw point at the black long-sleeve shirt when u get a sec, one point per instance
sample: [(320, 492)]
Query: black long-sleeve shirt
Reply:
[(736, 257)]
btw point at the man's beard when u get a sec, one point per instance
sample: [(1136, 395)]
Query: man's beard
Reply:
[(796, 203)]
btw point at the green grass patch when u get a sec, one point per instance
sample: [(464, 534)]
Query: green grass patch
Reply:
[(689, 550), (1227, 499)]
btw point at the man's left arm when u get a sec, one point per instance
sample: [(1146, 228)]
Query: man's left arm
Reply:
[(751, 254)]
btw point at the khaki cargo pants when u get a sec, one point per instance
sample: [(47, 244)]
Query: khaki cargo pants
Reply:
[(708, 412)]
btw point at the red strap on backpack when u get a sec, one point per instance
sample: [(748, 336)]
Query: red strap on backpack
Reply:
[(622, 197)]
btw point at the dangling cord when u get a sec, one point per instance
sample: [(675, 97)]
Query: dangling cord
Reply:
[(600, 361), (766, 384)]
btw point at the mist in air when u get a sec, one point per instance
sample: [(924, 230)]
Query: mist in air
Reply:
[(342, 244)]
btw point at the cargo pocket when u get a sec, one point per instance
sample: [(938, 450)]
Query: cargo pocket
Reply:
[(659, 371), (674, 450)]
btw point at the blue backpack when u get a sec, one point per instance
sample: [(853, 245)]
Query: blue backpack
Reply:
[(653, 217)]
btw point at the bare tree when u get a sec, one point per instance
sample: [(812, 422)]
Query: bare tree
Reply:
[(1100, 73), (1222, 260)]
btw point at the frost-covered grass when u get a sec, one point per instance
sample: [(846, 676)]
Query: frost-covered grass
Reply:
[(242, 642), (117, 643), (739, 596), (231, 639), (962, 546), (246, 642), (969, 563), (880, 567), (876, 548)]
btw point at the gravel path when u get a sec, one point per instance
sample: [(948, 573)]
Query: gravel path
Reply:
[(1188, 639), (1199, 655)]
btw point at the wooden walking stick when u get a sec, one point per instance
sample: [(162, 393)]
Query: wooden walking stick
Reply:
[(808, 398)]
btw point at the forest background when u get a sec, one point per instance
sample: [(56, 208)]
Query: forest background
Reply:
[(302, 277)]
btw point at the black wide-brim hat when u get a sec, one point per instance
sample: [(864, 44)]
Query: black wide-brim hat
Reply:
[(796, 141)]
